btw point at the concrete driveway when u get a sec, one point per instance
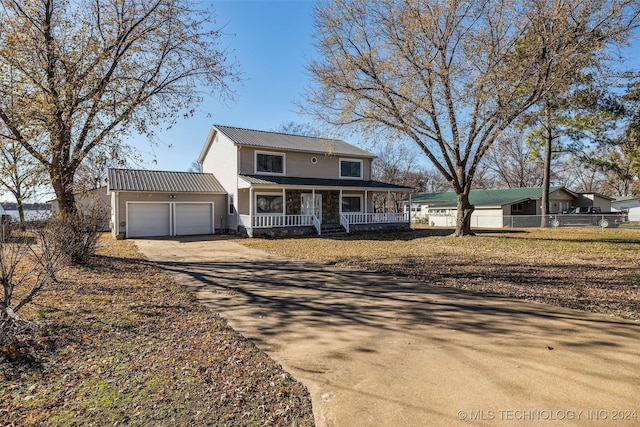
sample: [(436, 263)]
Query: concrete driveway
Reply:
[(377, 350)]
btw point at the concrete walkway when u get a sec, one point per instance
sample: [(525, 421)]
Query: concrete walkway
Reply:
[(377, 350)]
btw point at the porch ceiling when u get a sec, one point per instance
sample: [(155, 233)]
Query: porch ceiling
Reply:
[(337, 184)]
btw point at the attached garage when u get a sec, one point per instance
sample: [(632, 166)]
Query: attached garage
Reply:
[(148, 219), (193, 218), (158, 203)]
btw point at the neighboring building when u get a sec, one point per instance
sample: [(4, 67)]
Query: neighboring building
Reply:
[(85, 198), (594, 199), (498, 208), (629, 204), (255, 182), (95, 197)]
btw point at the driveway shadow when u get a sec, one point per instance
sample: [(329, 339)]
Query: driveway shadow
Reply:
[(296, 294), (385, 350)]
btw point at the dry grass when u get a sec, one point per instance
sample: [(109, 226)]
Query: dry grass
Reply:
[(588, 269), (121, 344)]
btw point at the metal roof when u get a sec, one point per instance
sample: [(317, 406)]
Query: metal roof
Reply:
[(283, 141), (485, 198), (163, 181), (317, 182), (625, 198)]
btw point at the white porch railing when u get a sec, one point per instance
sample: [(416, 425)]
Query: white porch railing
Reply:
[(375, 218), (344, 222), (271, 221), (346, 219)]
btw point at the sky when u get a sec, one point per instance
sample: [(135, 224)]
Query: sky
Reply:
[(272, 43)]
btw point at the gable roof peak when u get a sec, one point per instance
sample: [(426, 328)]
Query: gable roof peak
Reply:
[(287, 142)]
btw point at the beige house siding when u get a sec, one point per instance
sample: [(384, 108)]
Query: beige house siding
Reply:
[(528, 208), (219, 201), (590, 199), (243, 201), (301, 164), (558, 201)]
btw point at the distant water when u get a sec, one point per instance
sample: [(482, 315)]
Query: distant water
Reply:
[(29, 215)]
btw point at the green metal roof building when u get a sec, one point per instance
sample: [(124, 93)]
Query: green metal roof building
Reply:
[(498, 208)]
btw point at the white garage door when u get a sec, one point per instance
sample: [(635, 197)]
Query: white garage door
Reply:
[(193, 218), (148, 219)]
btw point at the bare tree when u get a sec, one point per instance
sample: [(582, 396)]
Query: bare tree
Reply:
[(20, 174), (298, 128), (29, 260), (85, 74), (587, 177), (452, 76), (513, 163), (619, 156), (195, 167), (434, 182), (92, 172), (395, 164)]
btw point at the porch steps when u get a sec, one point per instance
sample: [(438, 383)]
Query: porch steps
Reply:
[(332, 230)]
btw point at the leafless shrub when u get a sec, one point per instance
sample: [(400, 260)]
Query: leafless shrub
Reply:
[(77, 235), (5, 227), (29, 261)]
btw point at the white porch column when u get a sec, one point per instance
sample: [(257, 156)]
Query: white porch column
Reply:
[(284, 203), (366, 202), (387, 201), (313, 201), (251, 207)]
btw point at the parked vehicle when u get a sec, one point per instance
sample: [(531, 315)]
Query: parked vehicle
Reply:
[(587, 216)]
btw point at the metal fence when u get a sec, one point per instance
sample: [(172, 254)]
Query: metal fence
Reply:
[(478, 220)]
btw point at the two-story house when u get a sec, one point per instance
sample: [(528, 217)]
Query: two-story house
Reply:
[(255, 182)]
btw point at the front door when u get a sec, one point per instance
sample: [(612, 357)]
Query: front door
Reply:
[(307, 205)]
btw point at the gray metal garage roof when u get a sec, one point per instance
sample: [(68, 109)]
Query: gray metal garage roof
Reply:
[(163, 181)]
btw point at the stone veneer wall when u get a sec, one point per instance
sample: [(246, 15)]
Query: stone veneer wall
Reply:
[(294, 202), (330, 207)]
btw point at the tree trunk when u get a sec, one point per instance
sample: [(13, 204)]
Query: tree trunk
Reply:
[(546, 176), (64, 194), (20, 207), (463, 222)]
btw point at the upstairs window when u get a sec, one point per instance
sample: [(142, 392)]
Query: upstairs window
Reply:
[(350, 168), (270, 163)]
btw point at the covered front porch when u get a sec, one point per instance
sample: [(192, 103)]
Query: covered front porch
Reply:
[(275, 208)]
